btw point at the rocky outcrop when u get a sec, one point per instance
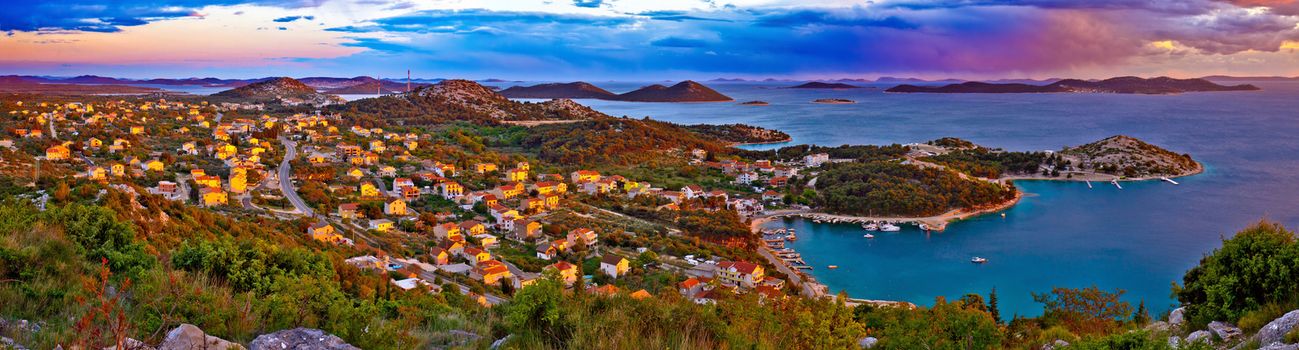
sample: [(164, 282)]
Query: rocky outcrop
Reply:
[(299, 339), (189, 337), (1057, 344), (1224, 330), (1274, 332), (1199, 336), (867, 342), (1177, 317)]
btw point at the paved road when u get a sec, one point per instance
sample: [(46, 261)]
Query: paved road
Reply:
[(431, 277), (286, 183)]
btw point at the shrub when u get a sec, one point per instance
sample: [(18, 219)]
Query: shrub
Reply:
[(1260, 265)]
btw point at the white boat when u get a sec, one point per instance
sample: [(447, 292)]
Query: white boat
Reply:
[(868, 236), (887, 227), (870, 227), (978, 260), (924, 227)]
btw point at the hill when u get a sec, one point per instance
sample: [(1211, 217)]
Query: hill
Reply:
[(820, 85), (577, 89), (1119, 85), (283, 90), (464, 100), (686, 91), (1128, 156), (1113, 156)]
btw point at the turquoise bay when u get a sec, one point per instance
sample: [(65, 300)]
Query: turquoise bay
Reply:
[(1140, 239)]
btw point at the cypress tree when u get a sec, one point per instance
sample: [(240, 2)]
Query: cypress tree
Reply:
[(992, 306)]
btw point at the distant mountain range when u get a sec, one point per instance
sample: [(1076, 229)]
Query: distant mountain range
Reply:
[(355, 85), (689, 92), (1119, 85), (821, 85), (685, 91)]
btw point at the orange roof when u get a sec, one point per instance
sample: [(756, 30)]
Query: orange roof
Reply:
[(640, 294), (743, 267)]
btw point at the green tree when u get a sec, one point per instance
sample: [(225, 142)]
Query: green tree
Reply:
[(1259, 265)]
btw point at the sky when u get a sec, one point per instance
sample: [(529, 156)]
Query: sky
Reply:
[(566, 40)]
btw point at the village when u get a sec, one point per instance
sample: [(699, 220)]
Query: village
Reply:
[(429, 213)]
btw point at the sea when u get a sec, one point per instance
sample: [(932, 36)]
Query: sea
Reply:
[(1140, 239)]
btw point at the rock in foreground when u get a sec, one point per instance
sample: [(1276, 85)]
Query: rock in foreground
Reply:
[(1275, 331), (300, 339), (188, 337)]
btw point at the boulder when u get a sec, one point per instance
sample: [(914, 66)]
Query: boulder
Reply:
[(6, 343), (299, 339), (1177, 317), (1224, 330), (1174, 342), (188, 336), (1198, 336), (867, 342), (1275, 331), (1280, 346)]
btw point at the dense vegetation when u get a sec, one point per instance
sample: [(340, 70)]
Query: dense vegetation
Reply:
[(894, 189), (986, 163), (617, 141), (1251, 279), (739, 133)]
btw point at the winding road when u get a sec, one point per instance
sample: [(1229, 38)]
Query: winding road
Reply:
[(286, 183)]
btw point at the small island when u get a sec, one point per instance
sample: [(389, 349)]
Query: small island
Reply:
[(1119, 85), (821, 85), (755, 103), (834, 101)]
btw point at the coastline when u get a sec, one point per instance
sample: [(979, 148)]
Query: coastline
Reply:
[(738, 144), (935, 222), (1086, 176)]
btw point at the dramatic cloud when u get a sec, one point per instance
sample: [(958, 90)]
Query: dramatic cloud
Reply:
[(293, 18), (108, 17), (603, 38)]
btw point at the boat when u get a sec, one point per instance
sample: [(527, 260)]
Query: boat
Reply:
[(791, 236), (887, 227), (868, 235), (924, 227), (870, 227), (832, 267), (978, 260)]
